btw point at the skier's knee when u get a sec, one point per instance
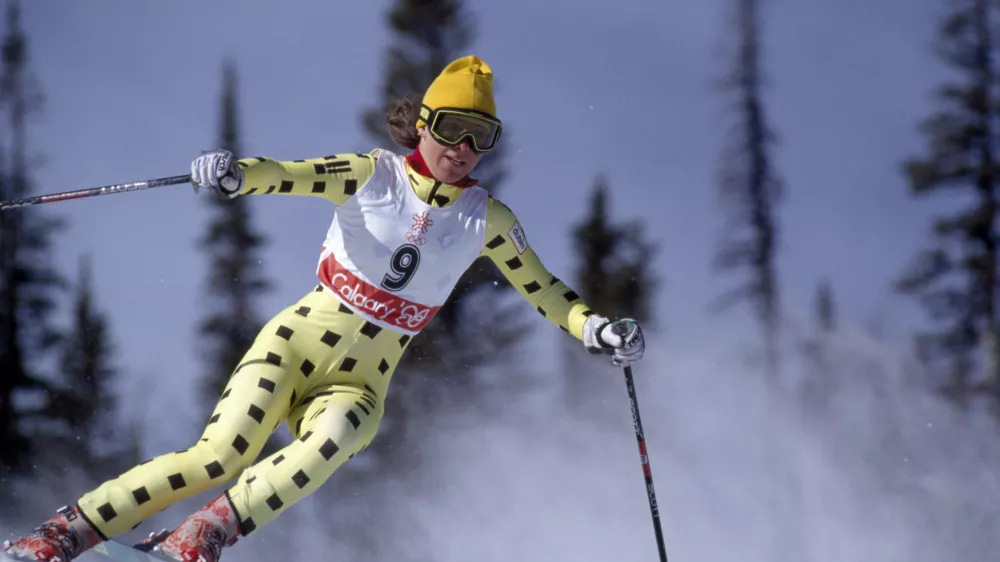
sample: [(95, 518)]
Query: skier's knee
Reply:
[(228, 460), (349, 428)]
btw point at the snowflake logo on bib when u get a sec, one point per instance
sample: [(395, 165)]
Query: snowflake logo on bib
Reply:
[(421, 224)]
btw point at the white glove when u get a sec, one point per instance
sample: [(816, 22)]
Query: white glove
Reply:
[(217, 171), (621, 338)]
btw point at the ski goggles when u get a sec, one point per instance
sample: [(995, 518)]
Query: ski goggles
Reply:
[(450, 126)]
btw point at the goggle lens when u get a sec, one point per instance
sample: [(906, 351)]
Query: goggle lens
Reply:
[(452, 126)]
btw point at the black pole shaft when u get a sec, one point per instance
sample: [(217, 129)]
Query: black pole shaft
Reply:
[(93, 192), (644, 458)]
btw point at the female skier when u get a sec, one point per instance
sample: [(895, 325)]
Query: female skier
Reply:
[(403, 232)]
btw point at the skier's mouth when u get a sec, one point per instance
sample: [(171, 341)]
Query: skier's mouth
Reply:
[(455, 161)]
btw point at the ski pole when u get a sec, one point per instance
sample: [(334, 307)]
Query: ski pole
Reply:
[(93, 192), (644, 458)]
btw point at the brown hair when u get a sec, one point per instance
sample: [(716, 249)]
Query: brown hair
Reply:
[(402, 121)]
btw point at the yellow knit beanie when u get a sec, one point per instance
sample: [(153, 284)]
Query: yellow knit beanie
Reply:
[(466, 83)]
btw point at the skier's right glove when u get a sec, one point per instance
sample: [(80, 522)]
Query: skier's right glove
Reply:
[(620, 338), (217, 171)]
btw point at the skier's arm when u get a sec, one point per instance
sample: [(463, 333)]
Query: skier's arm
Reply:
[(508, 248), (334, 178)]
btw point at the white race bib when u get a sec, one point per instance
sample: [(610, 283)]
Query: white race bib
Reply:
[(395, 259)]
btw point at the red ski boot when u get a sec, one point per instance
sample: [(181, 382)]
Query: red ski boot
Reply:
[(203, 535), (60, 539)]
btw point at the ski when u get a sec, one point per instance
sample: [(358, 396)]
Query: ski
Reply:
[(121, 552), (109, 550)]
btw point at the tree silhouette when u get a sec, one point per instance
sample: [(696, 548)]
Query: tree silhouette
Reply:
[(427, 35), (235, 278), (956, 279), (613, 278), (94, 437), (750, 191), (819, 384), (28, 282)]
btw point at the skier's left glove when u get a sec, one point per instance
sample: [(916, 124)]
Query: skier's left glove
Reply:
[(621, 338)]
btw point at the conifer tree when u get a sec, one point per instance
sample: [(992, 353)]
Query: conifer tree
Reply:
[(613, 277), (236, 277), (750, 192), (956, 278), (94, 435), (29, 283), (426, 36)]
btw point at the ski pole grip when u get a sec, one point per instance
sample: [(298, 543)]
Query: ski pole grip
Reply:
[(622, 329)]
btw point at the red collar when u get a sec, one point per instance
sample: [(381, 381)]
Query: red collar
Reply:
[(419, 165)]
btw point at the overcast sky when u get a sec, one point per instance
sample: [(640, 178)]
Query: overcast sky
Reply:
[(132, 88)]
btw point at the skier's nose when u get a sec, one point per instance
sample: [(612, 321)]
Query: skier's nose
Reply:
[(464, 146)]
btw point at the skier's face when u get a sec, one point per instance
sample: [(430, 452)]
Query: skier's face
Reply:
[(448, 163)]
